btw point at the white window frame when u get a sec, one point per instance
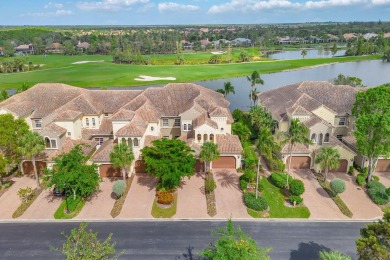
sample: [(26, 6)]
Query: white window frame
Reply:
[(185, 127), (189, 127), (93, 122), (37, 123), (344, 122), (105, 114), (69, 133), (177, 122), (51, 142), (165, 122), (100, 140), (87, 121)]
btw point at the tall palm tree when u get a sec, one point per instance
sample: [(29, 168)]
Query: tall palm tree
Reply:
[(31, 145), (253, 95), (229, 88), (304, 53), (297, 133), (254, 79), (328, 158), (209, 153), (121, 157)]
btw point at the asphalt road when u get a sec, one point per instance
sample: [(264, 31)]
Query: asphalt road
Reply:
[(181, 239)]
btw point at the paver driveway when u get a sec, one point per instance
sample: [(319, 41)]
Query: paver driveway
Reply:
[(43, 207), (356, 198), (100, 205), (191, 201), (228, 195), (139, 200), (10, 201), (321, 206), (384, 178)]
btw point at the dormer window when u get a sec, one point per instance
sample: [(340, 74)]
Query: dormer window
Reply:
[(93, 122), (342, 121), (37, 123), (50, 143), (105, 114), (87, 121)]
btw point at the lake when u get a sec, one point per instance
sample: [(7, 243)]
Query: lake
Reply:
[(293, 55)]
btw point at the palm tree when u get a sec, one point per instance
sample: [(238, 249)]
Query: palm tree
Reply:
[(3, 95), (386, 56), (253, 95), (121, 157), (229, 88), (297, 133), (22, 88), (31, 145), (304, 53), (208, 153), (254, 79), (328, 158)]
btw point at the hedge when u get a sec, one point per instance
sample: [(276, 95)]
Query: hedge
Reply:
[(361, 179), (210, 184), (297, 199), (378, 196), (297, 187), (249, 175), (280, 179), (251, 202), (243, 184)]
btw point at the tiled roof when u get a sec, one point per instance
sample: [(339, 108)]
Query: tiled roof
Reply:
[(104, 130), (55, 129), (84, 104), (297, 148), (136, 127), (229, 144), (333, 141), (87, 146), (350, 141), (203, 119), (123, 114), (69, 115), (149, 139), (103, 153)]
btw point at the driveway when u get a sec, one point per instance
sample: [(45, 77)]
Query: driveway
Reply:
[(228, 195), (139, 200), (43, 207), (10, 201), (191, 202), (321, 206), (100, 205), (384, 178), (356, 198)]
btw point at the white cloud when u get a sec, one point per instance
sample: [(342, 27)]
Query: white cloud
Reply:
[(54, 5), (60, 12), (110, 5), (175, 7), (380, 2), (255, 5)]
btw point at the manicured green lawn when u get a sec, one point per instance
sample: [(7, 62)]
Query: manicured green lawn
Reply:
[(158, 212), (61, 214), (275, 200), (59, 68)]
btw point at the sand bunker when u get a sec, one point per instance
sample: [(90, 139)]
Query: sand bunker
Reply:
[(149, 78), (87, 61), (218, 52)]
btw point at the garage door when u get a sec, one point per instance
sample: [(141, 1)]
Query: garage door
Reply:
[(140, 166), (299, 162), (383, 165), (29, 169), (225, 162), (107, 170), (343, 166), (199, 166)]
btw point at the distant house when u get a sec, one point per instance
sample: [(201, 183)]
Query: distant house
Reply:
[(204, 43), (218, 43), (83, 46), (205, 30), (332, 38), (349, 36), (186, 45), (241, 42), (288, 40), (387, 35), (25, 49), (55, 48), (368, 36)]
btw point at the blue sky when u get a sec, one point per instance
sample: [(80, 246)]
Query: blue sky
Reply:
[(151, 12)]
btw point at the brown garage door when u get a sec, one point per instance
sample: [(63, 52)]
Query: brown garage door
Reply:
[(107, 170), (299, 162), (29, 169), (343, 166), (140, 166), (225, 162), (199, 166), (383, 165)]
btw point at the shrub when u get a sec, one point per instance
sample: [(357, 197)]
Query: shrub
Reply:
[(337, 186), (274, 164), (251, 202), (375, 178), (296, 187), (209, 184), (376, 185), (25, 193), (333, 255), (164, 197), (243, 185), (249, 175), (350, 170), (119, 188), (72, 203), (378, 196), (297, 199), (365, 171), (361, 179), (280, 179), (388, 191)]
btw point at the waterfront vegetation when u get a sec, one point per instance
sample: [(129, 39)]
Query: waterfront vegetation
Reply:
[(59, 68)]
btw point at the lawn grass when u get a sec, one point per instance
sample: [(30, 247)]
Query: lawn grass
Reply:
[(275, 200), (117, 208), (158, 212), (25, 205), (59, 68), (61, 214)]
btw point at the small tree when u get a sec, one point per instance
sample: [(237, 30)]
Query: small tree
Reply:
[(119, 188), (209, 152), (328, 158), (25, 193), (374, 242), (83, 244), (334, 49), (254, 79), (3, 166), (121, 157), (242, 130), (169, 160), (303, 53), (337, 186), (233, 243)]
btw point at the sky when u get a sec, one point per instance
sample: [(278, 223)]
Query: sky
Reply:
[(167, 12)]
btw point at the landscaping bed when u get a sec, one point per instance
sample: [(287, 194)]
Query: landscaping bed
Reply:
[(210, 194), (117, 208), (26, 204), (164, 210), (5, 187), (75, 206)]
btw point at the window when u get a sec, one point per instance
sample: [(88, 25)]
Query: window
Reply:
[(177, 122), (99, 140), (166, 136), (342, 121), (326, 139), (165, 122), (212, 138), (222, 129), (47, 142), (313, 137), (69, 133), (339, 137), (38, 123), (130, 143), (50, 143), (135, 142), (123, 140), (177, 136), (53, 143), (87, 122), (205, 137), (199, 138), (93, 122), (185, 127), (320, 138), (105, 114), (152, 128), (189, 127)]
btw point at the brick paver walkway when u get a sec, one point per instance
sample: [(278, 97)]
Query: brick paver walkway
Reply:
[(43, 207), (384, 178)]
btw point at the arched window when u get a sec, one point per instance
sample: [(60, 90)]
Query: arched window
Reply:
[(152, 128), (199, 137), (135, 142), (93, 122), (47, 142), (320, 138), (313, 138), (87, 122), (212, 138), (205, 138), (326, 139), (130, 142), (123, 140)]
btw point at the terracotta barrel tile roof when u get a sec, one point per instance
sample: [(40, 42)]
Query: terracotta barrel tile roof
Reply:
[(228, 144)]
